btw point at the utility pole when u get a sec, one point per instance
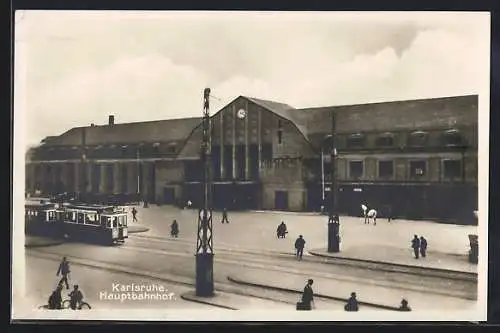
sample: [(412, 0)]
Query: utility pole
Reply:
[(333, 218), (83, 166), (204, 242)]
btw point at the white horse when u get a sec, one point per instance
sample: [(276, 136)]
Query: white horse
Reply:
[(372, 214)]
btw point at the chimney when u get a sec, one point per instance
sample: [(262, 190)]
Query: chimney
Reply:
[(111, 120)]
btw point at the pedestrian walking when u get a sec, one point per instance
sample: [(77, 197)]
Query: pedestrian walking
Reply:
[(299, 247), (224, 216), (174, 229), (352, 303), (64, 271), (415, 244), (423, 246), (307, 301), (281, 230), (389, 213), (134, 214), (364, 209)]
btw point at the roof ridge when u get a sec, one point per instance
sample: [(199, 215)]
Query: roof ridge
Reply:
[(386, 102)]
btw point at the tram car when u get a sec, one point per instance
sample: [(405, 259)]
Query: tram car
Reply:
[(42, 218), (95, 223)]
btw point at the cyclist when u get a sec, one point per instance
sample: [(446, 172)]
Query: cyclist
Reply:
[(75, 298)]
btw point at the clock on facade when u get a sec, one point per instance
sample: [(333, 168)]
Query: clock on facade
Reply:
[(241, 113)]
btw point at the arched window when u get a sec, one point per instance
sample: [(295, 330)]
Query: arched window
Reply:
[(356, 140), (417, 139), (385, 140), (452, 137)]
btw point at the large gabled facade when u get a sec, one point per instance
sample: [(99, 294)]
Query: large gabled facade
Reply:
[(416, 157)]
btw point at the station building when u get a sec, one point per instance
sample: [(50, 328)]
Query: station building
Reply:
[(414, 159)]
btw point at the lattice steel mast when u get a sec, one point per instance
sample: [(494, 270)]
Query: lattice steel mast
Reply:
[(204, 242)]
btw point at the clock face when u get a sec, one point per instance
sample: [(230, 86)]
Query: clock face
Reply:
[(241, 113)]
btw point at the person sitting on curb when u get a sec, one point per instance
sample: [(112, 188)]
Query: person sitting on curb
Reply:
[(308, 295), (404, 306), (352, 303)]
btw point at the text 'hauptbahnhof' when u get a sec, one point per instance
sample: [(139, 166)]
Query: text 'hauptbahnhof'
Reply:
[(415, 158)]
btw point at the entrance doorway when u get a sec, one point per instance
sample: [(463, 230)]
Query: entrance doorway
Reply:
[(168, 195), (281, 200)]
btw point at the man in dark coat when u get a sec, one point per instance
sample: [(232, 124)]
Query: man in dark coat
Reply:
[(174, 229), (224, 216), (352, 303), (299, 246), (308, 294), (64, 271), (415, 244), (55, 299), (423, 246)]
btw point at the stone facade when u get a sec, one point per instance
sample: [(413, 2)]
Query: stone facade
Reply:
[(270, 155)]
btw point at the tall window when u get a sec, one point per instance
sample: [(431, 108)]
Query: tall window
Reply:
[(356, 169), (385, 169), (355, 141), (385, 140), (280, 136), (417, 139), (452, 138), (418, 169), (452, 168)]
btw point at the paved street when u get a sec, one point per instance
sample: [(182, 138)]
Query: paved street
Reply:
[(258, 231), (156, 256)]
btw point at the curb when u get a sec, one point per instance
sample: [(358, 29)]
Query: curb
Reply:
[(338, 299), (285, 212), (416, 270), (47, 244), (195, 300), (138, 230)]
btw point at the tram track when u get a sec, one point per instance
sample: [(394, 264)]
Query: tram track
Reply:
[(285, 263), (227, 286), (344, 262)]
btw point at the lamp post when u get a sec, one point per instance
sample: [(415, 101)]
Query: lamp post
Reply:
[(333, 217), (204, 246)]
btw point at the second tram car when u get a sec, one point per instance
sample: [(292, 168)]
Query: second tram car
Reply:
[(88, 223), (95, 223)]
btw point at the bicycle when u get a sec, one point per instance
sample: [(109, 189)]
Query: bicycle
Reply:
[(83, 305)]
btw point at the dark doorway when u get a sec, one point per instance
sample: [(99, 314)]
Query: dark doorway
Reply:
[(281, 200), (169, 195)]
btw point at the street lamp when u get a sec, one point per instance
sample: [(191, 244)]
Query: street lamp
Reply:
[(333, 217), (323, 171), (204, 246)]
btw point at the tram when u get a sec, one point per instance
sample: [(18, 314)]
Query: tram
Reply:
[(95, 223), (87, 223), (42, 218)]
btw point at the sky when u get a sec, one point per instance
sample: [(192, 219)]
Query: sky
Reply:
[(76, 68)]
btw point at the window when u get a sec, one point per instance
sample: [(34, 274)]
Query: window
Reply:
[(417, 139), (92, 219), (81, 218), (452, 168), (452, 138), (385, 169), (355, 141), (385, 140), (418, 168), (356, 169), (280, 124), (280, 137)]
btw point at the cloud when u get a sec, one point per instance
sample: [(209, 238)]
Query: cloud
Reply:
[(152, 71)]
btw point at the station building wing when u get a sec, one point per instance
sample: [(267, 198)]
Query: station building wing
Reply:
[(268, 156)]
